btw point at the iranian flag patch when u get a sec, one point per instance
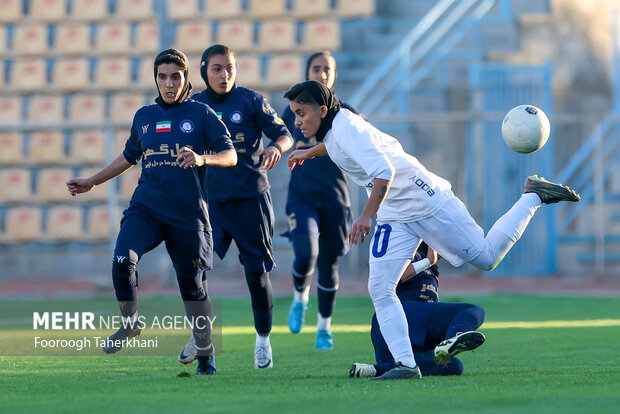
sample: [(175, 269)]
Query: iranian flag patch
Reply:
[(163, 126)]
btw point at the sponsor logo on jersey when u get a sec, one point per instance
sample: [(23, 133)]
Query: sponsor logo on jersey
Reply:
[(163, 126), (219, 115), (145, 128), (236, 117), (425, 187), (186, 126)]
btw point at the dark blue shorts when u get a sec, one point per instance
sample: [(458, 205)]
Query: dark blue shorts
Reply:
[(331, 225), (249, 222), (190, 250)]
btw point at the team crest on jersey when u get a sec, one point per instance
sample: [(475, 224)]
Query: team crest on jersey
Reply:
[(145, 128), (236, 117), (186, 126)]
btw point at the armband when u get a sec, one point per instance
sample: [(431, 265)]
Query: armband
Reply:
[(276, 146)]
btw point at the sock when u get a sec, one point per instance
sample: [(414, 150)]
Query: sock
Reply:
[(303, 296), (262, 340), (324, 323), (506, 231)]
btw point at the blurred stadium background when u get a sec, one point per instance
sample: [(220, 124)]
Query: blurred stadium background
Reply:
[(437, 74)]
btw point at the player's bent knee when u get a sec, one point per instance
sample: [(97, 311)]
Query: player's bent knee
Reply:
[(304, 265), (380, 289), (191, 288)]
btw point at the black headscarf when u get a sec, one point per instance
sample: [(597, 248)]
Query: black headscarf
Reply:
[(315, 92), (178, 58), (204, 61)]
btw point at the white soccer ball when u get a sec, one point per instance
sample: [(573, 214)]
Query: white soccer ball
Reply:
[(525, 128)]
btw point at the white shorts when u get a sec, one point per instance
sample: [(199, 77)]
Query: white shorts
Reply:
[(451, 232)]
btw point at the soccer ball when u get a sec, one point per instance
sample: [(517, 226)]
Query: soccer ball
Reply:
[(525, 128)]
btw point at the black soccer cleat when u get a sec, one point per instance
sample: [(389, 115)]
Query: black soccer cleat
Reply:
[(114, 342), (462, 341), (400, 371), (549, 192), (206, 365)]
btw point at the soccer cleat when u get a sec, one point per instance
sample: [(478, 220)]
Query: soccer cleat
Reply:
[(324, 340), (463, 341), (189, 352), (263, 357), (297, 316), (549, 192), (206, 365), (400, 371), (114, 342), (362, 370)]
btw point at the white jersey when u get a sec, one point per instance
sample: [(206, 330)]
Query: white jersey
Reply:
[(365, 153)]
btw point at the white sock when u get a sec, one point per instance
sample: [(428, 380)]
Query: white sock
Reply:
[(324, 323), (303, 296), (514, 222), (384, 276), (262, 340), (506, 231)]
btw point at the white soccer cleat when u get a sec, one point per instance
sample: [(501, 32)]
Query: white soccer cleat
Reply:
[(362, 370), (462, 341), (189, 352), (263, 357)]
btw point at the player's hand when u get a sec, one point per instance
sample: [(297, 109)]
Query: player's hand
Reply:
[(432, 255), (271, 156), (79, 185), (297, 157), (188, 158), (361, 229)]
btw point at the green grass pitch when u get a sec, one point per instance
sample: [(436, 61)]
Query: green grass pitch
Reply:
[(566, 369)]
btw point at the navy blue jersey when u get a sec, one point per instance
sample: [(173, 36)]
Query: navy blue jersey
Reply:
[(317, 182), (247, 115), (173, 194)]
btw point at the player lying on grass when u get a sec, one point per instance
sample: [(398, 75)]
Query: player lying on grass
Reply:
[(437, 330), (410, 204), (176, 138)]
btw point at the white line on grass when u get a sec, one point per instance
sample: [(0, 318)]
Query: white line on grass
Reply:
[(239, 330)]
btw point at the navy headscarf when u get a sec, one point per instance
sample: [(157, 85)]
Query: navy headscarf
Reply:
[(204, 61), (178, 58)]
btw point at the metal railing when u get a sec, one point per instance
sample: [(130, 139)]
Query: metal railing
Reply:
[(431, 40)]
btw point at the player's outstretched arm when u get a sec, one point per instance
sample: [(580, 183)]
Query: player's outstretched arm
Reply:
[(298, 157), (188, 158), (82, 185)]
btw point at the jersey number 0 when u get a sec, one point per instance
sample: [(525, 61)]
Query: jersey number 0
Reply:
[(379, 250)]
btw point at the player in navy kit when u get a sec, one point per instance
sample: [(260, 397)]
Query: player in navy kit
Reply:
[(176, 138), (318, 210), (437, 330), (239, 198)]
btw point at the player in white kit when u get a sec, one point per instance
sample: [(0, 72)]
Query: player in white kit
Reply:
[(410, 203)]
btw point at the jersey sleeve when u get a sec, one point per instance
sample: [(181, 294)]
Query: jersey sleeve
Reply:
[(216, 133), (268, 120), (359, 145), (132, 151)]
